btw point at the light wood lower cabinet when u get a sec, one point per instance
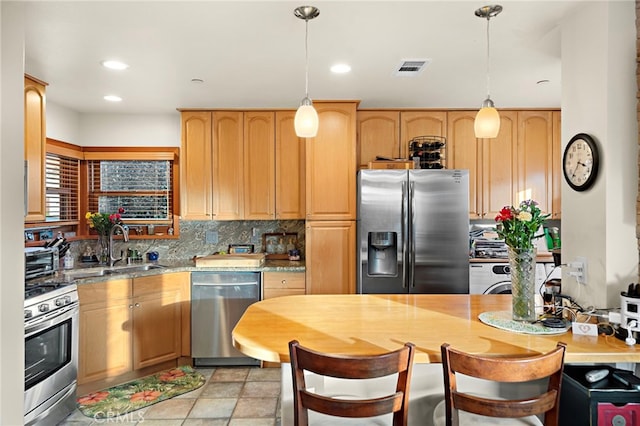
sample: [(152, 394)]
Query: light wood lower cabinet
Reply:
[(276, 284), (331, 257), (131, 324)]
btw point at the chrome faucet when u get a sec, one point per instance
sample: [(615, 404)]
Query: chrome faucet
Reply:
[(125, 234)]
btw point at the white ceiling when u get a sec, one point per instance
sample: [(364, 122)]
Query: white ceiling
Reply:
[(251, 54)]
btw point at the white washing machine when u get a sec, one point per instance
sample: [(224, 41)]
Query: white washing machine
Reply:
[(495, 278)]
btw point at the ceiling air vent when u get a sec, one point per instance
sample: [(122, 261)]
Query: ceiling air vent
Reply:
[(411, 68)]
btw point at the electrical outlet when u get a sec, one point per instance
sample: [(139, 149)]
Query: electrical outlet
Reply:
[(579, 269), (211, 237)]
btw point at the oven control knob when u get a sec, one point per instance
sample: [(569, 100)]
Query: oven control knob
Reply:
[(43, 308), (62, 301), (28, 314)]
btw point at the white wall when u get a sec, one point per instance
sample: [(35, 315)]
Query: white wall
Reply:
[(129, 130), (63, 124), (11, 213), (599, 98)]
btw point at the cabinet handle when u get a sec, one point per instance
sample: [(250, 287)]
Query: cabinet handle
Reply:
[(137, 305), (284, 283), (130, 306)]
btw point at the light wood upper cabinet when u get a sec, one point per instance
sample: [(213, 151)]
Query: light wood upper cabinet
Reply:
[(556, 167), (498, 167), (195, 166), (228, 161), (378, 135), (331, 163), (331, 257), (259, 165), (420, 123), (239, 165), (464, 152), (35, 139), (535, 158), (290, 157)]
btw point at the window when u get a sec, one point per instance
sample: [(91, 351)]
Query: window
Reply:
[(61, 183), (142, 187)]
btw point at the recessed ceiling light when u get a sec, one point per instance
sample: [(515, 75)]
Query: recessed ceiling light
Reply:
[(114, 65), (112, 98), (340, 68)]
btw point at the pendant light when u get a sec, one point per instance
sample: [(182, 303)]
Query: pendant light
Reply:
[(487, 123), (306, 119)]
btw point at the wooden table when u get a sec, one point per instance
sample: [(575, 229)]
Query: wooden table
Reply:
[(370, 324)]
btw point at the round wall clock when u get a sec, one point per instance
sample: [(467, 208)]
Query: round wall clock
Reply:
[(580, 162)]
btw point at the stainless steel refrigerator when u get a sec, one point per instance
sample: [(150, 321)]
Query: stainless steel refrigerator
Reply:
[(413, 231)]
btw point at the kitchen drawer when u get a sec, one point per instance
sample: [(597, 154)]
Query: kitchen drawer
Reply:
[(103, 292), (283, 280), (276, 284)]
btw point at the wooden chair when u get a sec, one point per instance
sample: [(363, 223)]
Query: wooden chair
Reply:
[(510, 370), (351, 367)]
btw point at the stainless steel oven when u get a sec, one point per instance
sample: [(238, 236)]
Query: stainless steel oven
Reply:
[(51, 352)]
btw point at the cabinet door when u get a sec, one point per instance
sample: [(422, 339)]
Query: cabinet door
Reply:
[(157, 319), (276, 284), (556, 167), (420, 123), (535, 158), (289, 169), (228, 158), (464, 152), (195, 166), (499, 161), (331, 163), (104, 333), (35, 137), (259, 165), (378, 135), (330, 253)]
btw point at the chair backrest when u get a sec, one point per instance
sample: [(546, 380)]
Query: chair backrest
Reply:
[(351, 367), (500, 369)]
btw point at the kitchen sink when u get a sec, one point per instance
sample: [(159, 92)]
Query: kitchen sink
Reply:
[(100, 271)]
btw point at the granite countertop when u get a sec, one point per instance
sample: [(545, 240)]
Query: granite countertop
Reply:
[(170, 266), (542, 258)]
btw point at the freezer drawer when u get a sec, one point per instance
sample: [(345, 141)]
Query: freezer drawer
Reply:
[(218, 300)]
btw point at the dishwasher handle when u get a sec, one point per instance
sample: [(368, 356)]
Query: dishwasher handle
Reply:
[(225, 284)]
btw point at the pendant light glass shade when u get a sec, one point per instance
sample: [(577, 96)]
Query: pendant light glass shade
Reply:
[(487, 122), (306, 119)]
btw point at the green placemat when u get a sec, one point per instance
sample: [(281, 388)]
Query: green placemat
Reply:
[(503, 321), (118, 400)]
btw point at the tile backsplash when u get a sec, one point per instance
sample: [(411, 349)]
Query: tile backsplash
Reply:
[(196, 238)]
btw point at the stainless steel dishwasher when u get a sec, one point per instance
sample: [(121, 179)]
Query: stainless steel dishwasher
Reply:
[(218, 300)]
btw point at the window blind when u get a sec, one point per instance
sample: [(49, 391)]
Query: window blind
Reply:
[(61, 181)]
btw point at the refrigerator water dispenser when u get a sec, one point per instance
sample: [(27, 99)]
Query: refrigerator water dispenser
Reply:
[(383, 253)]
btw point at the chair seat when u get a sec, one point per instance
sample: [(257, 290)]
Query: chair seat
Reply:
[(439, 418)]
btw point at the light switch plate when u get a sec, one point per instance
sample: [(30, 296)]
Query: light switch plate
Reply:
[(586, 329)]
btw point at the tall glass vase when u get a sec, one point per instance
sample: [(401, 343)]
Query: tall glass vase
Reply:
[(102, 249), (523, 283)]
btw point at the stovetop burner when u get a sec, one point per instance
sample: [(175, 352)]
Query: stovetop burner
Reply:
[(42, 298), (33, 290)]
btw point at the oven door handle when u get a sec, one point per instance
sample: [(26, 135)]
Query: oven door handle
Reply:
[(45, 322)]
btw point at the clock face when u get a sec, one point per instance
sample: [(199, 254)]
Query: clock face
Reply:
[(580, 162)]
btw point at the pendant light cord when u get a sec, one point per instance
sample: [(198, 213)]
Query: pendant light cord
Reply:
[(306, 58), (488, 61)]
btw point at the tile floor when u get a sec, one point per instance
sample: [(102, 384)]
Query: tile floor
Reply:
[(232, 396)]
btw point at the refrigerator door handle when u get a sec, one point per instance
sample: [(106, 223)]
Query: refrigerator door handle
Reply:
[(410, 237), (405, 239)]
